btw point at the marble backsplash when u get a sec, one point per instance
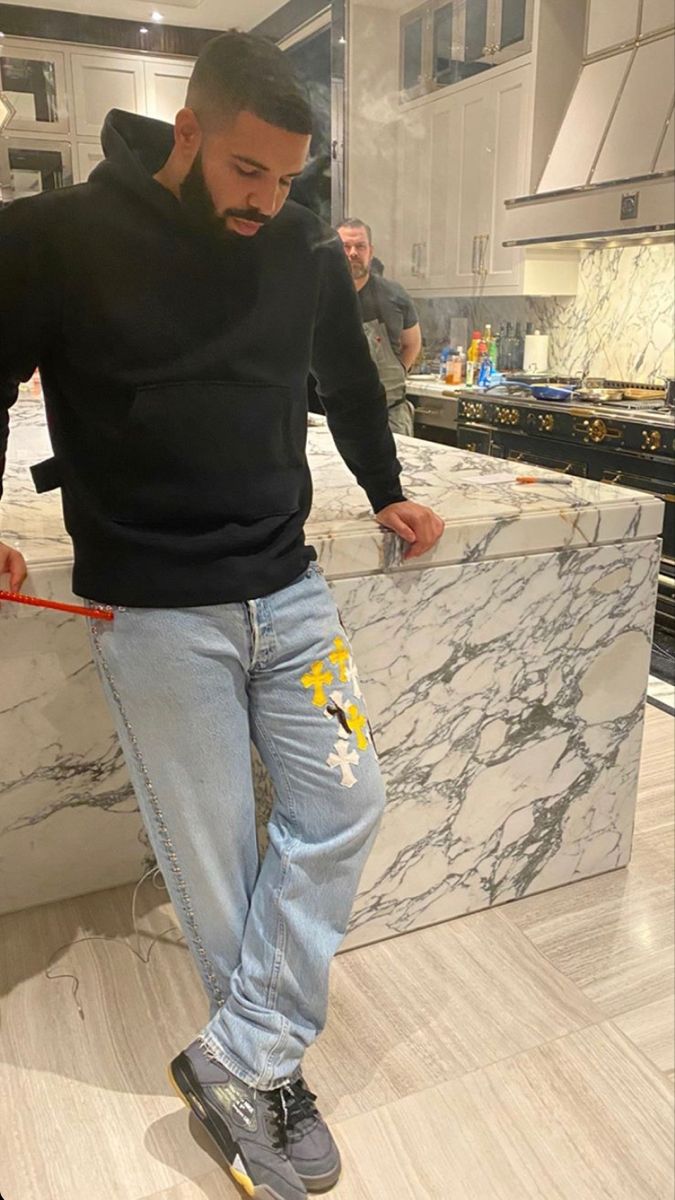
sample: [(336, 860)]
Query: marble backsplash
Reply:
[(620, 325)]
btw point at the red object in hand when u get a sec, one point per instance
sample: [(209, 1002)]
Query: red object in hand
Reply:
[(98, 614)]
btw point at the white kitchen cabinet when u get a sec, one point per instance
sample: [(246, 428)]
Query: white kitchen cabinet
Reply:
[(509, 98), (463, 156), (165, 87), (441, 237), (414, 183), (89, 155), (610, 24), (30, 165), (446, 42), (475, 164), (102, 82)]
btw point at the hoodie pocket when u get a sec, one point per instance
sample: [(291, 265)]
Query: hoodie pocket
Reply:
[(204, 453)]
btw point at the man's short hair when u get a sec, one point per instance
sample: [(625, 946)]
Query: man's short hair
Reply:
[(357, 223), (239, 72)]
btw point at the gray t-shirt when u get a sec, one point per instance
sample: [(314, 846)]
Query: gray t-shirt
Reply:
[(383, 300)]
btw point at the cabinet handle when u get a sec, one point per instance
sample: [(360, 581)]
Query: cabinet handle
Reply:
[(413, 264), (423, 258), (484, 241), (474, 266)]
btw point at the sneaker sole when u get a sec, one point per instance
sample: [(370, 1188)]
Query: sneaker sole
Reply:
[(324, 1183), (194, 1104)]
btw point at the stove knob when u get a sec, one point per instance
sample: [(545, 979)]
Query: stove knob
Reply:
[(651, 439), (597, 430), (546, 422), (514, 416)]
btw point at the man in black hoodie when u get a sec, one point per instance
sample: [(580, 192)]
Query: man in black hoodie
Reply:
[(174, 304)]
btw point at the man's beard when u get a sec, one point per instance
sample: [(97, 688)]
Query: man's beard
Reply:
[(196, 199), (359, 271)]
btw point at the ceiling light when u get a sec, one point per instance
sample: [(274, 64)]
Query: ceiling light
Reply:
[(157, 16), (142, 29)]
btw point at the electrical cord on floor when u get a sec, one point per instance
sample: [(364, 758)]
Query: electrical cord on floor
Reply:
[(153, 873)]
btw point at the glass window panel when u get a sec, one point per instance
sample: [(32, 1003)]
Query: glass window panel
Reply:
[(31, 87), (444, 54), (476, 29), (514, 13), (36, 170), (412, 53)]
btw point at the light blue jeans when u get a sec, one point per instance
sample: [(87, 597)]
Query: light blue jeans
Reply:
[(189, 689)]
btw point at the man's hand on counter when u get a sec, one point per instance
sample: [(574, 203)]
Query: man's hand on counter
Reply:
[(419, 526), (13, 563)]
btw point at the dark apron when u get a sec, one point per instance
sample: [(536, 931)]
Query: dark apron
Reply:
[(392, 376)]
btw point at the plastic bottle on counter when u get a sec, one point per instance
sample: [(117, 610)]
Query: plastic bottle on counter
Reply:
[(493, 349), (443, 364), (473, 351), (462, 364), (455, 375), (485, 363), (505, 350), (518, 349)]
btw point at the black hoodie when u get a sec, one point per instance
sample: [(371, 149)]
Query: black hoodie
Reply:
[(174, 366)]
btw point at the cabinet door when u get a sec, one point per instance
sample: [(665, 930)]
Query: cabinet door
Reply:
[(509, 104), (511, 23), (413, 196), (30, 165), (102, 82), (34, 82), (165, 88), (473, 162), (443, 193), (89, 154), (415, 51), (610, 24)]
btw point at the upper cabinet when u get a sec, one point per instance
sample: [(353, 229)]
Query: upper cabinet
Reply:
[(60, 95), (165, 88), (458, 158), (34, 80), (445, 42), (102, 82)]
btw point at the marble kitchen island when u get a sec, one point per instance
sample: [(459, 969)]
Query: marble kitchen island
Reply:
[(505, 676)]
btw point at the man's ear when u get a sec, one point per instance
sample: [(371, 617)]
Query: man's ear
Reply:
[(187, 134)]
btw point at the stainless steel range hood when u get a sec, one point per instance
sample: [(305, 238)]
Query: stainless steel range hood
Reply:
[(611, 173)]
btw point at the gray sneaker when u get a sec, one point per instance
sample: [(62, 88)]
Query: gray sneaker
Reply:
[(309, 1142), (247, 1126)]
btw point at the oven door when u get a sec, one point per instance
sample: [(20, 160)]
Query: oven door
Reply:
[(555, 456), (664, 489)]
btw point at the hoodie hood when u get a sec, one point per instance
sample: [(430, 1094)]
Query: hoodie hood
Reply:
[(135, 149)]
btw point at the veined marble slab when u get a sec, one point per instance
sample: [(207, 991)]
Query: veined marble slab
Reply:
[(481, 521), (505, 679)]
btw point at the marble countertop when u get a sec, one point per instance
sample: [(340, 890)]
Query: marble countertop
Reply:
[(484, 520), (430, 385)]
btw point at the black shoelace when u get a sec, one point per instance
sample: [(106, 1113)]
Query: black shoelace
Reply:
[(276, 1125), (299, 1108)]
